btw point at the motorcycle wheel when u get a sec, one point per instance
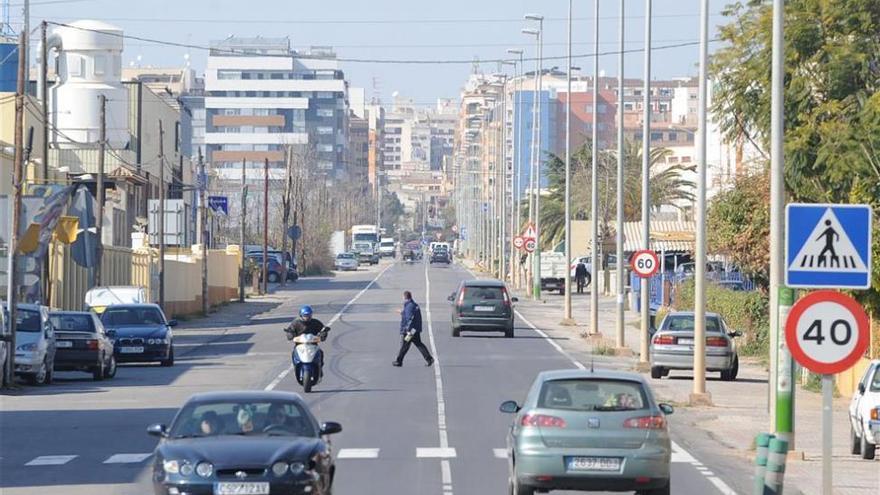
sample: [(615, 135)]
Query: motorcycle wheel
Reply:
[(307, 380)]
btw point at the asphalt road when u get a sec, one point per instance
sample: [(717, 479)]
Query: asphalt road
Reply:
[(410, 430)]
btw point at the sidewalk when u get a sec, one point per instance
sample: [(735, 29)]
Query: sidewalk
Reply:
[(739, 410)]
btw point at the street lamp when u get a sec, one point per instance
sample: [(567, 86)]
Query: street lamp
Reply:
[(517, 158), (594, 224), (536, 155), (566, 313)]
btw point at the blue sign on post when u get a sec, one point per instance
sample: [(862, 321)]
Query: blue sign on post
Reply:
[(219, 204), (828, 246)]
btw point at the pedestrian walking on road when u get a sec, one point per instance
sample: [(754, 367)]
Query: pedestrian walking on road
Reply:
[(580, 276), (411, 330)]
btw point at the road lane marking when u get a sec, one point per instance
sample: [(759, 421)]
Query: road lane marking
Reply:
[(358, 454), (721, 486), (546, 337), (127, 458), (281, 376), (436, 453), (500, 453), (681, 455), (445, 467), (51, 460)]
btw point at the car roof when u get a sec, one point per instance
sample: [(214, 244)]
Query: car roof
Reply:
[(61, 313), (571, 374), (483, 282), (245, 395), (134, 305), (691, 313)]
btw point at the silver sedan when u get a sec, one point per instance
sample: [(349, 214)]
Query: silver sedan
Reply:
[(672, 346)]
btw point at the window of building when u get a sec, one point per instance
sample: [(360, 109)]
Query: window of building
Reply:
[(685, 159), (76, 65), (325, 130), (325, 112), (323, 95), (672, 159), (656, 136), (326, 148), (100, 66), (673, 136), (628, 106), (601, 108)]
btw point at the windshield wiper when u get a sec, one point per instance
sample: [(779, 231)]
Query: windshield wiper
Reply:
[(191, 435)]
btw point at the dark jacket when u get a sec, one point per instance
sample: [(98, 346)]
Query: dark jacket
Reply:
[(580, 271), (299, 327), (410, 317)]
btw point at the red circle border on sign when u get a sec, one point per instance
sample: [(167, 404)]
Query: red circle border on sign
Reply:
[(632, 262), (827, 296)]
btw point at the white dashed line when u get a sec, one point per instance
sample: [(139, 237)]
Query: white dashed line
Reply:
[(127, 458), (721, 486), (435, 453), (51, 460), (500, 453), (358, 454)]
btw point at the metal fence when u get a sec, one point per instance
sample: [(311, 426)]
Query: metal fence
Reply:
[(662, 286)]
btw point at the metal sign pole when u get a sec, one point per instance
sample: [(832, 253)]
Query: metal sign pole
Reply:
[(827, 404), (785, 373)]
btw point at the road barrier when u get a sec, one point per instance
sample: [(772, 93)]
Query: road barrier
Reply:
[(762, 443), (776, 455)]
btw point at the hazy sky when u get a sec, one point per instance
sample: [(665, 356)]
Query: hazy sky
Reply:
[(397, 29)]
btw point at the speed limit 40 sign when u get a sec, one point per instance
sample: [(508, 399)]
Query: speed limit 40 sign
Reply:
[(645, 263), (827, 332)]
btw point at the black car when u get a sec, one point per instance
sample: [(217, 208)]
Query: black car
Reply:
[(440, 256), (252, 442), (482, 305), (140, 332), (82, 344)]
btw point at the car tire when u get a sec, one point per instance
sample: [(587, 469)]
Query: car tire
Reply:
[(170, 361), (729, 375), (110, 370), (456, 331), (273, 278), (100, 371), (656, 372), (867, 449), (508, 333), (855, 442), (41, 377)]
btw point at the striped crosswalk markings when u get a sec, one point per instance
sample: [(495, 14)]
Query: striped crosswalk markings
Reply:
[(127, 458), (51, 460)]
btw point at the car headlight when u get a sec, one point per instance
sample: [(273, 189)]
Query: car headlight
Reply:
[(279, 468), (205, 469), (297, 467), (157, 341), (186, 469), (27, 347), (171, 466)]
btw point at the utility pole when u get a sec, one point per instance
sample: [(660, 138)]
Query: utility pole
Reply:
[(534, 275), (517, 158), (18, 169), (44, 89), (621, 284), (99, 223), (566, 313), (161, 216), (203, 218), (594, 195), (243, 213), (646, 193), (265, 225)]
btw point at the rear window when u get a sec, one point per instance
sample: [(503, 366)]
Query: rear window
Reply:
[(344, 256), (27, 320), (592, 395), (474, 294), (686, 323), (73, 323)]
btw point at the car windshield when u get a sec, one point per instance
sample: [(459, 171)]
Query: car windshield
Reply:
[(27, 320), (874, 385), (475, 294), (115, 317), (592, 395), (73, 323), (344, 256), (243, 418), (685, 323)]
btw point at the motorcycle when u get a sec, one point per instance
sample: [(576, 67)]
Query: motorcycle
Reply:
[(306, 364)]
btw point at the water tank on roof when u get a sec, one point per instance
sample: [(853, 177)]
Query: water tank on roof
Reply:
[(8, 66), (89, 65)]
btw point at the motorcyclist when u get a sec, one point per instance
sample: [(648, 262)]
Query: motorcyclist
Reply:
[(306, 324)]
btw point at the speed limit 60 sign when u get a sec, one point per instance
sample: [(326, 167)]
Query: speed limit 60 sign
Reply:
[(827, 332), (645, 263)]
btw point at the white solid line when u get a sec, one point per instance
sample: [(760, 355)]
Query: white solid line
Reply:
[(358, 454), (681, 455), (444, 451), (274, 383), (127, 458), (500, 453), (51, 460), (446, 472), (436, 453), (721, 485)]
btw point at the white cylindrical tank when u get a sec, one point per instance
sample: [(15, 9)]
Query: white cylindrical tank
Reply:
[(90, 64)]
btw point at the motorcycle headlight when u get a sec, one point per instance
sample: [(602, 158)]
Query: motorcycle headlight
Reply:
[(27, 347), (205, 469), (279, 468), (171, 466), (297, 467)]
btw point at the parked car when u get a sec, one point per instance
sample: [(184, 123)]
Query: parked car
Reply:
[(82, 344), (283, 258), (99, 298), (588, 430), (273, 266), (734, 285), (482, 305), (864, 413), (440, 256), (140, 333), (34, 343), (250, 442), (346, 261), (672, 346), (4, 334)]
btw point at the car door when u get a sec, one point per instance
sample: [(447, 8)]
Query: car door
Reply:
[(855, 402), (103, 340)]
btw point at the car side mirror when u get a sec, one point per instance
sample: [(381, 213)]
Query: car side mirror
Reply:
[(110, 332), (736, 333), (450, 298), (514, 299), (509, 407), (172, 323), (157, 430), (330, 427), (666, 408), (861, 389)]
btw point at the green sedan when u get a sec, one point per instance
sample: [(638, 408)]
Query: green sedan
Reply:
[(589, 430)]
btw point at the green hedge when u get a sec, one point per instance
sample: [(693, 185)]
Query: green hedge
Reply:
[(746, 311)]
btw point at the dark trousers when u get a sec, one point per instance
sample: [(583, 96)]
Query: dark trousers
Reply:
[(581, 281), (417, 341)]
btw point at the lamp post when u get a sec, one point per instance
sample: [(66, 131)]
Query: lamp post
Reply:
[(646, 193), (566, 313), (621, 284), (517, 158), (594, 214), (536, 256)]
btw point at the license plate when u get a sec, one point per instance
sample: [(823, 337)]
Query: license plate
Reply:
[(131, 350), (484, 308), (243, 488), (594, 463), (686, 341), (63, 343)]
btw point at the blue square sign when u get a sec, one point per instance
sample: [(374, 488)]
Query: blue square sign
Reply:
[(828, 246)]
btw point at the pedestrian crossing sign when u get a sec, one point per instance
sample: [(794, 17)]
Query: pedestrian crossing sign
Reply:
[(828, 246)]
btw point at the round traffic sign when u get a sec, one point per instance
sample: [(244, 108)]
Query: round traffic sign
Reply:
[(645, 263), (518, 242), (827, 332), (531, 245)]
